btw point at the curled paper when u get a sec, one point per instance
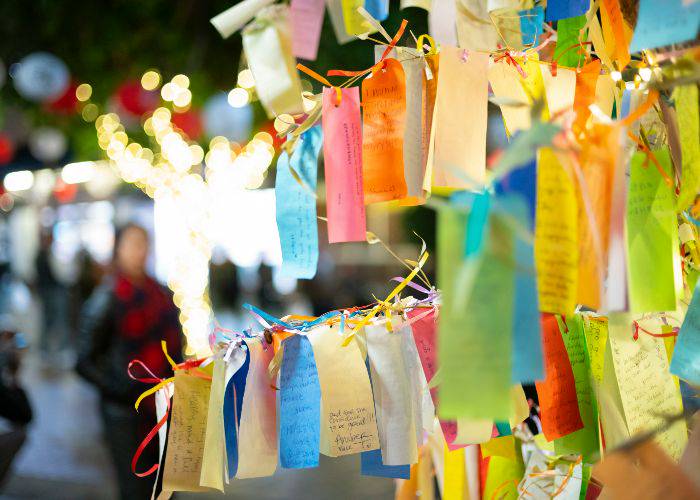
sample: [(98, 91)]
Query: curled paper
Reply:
[(267, 45), (234, 18)]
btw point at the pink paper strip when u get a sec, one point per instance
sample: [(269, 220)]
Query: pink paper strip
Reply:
[(424, 332), (307, 19), (342, 153)]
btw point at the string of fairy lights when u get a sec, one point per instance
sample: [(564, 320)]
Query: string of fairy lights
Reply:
[(176, 171)]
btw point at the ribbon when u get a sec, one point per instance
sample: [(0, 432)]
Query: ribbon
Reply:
[(511, 60), (394, 292), (374, 68), (192, 364)]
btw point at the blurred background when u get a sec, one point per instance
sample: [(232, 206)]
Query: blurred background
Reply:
[(104, 107)]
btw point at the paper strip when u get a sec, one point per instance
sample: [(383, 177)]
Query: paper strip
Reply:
[(257, 443), (348, 423), (296, 206), (342, 152), (300, 405)]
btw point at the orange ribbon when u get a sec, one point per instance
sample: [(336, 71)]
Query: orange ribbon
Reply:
[(380, 63)]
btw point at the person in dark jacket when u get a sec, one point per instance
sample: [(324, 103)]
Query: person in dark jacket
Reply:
[(125, 319)]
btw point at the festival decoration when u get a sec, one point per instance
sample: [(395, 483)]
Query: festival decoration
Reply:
[(40, 77), (556, 271)]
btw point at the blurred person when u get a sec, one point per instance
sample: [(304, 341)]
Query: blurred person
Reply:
[(90, 274), (53, 296), (125, 319), (15, 410)]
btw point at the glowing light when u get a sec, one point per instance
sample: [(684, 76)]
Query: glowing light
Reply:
[(83, 92), (616, 76), (181, 81), (20, 180), (76, 173), (238, 97), (89, 112), (168, 92), (282, 122), (183, 99), (264, 137), (630, 85), (150, 80), (245, 79), (645, 73)]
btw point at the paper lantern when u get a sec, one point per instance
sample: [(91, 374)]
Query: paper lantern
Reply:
[(67, 103), (7, 149), (136, 100), (41, 77), (220, 118), (190, 122)]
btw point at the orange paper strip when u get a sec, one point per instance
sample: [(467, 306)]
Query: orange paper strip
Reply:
[(557, 393), (384, 103)]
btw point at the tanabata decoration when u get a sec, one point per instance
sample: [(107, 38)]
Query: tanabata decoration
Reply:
[(567, 263)]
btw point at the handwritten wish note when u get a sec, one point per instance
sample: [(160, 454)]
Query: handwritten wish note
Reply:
[(348, 423), (392, 396), (306, 17), (652, 235), (647, 389), (596, 333), (183, 458), (214, 454), (556, 236), (384, 120), (585, 440), (342, 153), (267, 44), (257, 442), (680, 22), (686, 355), (296, 207), (459, 148), (686, 98), (474, 353), (557, 393), (300, 405), (643, 471)]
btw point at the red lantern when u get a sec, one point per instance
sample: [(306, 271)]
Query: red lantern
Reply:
[(190, 122), (64, 193), (66, 104), (135, 99), (7, 149)]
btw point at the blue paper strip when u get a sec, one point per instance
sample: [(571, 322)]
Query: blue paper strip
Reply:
[(233, 406), (531, 21), (562, 9), (378, 9), (296, 207), (371, 465), (665, 23), (686, 355), (503, 428), (522, 180), (300, 405)]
